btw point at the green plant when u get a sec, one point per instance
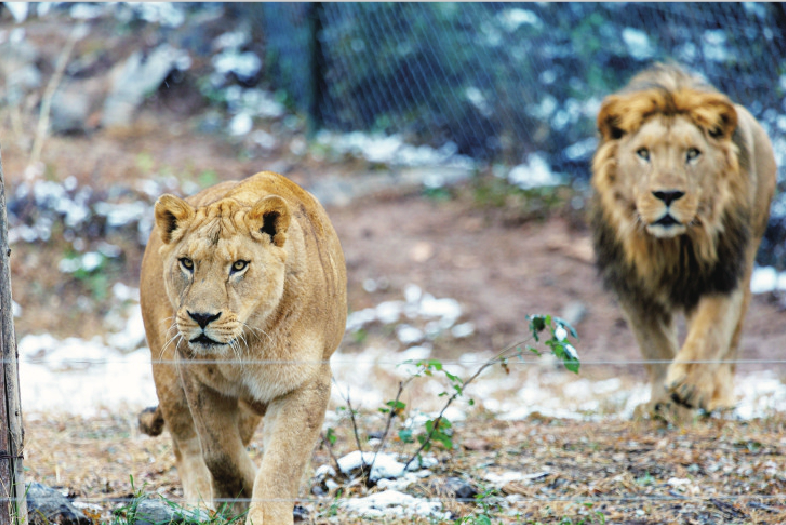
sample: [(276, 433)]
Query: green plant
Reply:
[(439, 430), (645, 480), (127, 512), (486, 500)]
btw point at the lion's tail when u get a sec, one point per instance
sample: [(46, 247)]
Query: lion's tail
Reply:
[(151, 422)]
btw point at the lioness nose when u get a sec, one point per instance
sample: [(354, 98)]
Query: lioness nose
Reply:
[(204, 319), (668, 196)]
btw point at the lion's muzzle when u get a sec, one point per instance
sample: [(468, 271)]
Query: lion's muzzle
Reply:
[(669, 221)]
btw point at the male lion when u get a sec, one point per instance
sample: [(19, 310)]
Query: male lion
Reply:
[(682, 183), (244, 301)]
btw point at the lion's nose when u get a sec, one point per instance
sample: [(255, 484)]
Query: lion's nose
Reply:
[(668, 196), (204, 319)]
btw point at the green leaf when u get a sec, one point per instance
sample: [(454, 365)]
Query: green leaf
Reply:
[(452, 377), (405, 435), (396, 405), (445, 440), (331, 436), (562, 322), (571, 364)]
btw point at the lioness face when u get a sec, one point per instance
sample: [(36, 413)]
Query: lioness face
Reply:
[(668, 159), (223, 266)]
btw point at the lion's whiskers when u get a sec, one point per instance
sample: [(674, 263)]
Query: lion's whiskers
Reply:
[(256, 331), (172, 338)]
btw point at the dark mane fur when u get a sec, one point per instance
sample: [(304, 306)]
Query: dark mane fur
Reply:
[(684, 281)]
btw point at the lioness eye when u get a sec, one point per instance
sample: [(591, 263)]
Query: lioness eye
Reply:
[(187, 264), (644, 154), (239, 266), (692, 154)]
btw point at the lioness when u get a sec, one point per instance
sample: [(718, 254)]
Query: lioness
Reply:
[(682, 183), (244, 301)]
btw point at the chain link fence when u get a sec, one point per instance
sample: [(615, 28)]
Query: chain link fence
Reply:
[(505, 80), (500, 82)]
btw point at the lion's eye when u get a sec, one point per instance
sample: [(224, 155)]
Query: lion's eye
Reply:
[(692, 154), (239, 266), (187, 264), (644, 154)]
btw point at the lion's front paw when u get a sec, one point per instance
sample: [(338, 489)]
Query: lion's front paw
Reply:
[(691, 386)]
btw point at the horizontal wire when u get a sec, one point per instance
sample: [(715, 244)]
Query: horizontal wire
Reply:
[(511, 361), (521, 499)]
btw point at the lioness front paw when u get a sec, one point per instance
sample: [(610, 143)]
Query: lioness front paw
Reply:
[(690, 385)]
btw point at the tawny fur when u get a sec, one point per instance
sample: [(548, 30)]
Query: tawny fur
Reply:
[(682, 183), (244, 301)]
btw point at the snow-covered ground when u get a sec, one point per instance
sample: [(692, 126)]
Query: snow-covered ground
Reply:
[(113, 373)]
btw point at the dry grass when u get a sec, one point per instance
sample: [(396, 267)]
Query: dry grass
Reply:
[(731, 472)]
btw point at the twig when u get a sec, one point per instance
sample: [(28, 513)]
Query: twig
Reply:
[(494, 360), (391, 414), (42, 130), (356, 430), (329, 447)]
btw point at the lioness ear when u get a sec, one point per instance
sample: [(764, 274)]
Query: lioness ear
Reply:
[(717, 115), (270, 216), (609, 119), (173, 216)]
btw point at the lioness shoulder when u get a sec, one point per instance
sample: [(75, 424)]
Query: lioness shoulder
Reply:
[(682, 182), (244, 301)]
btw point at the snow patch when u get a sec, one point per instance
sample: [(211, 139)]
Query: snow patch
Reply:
[(393, 503)]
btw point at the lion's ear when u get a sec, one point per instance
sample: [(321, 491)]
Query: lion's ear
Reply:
[(270, 216), (610, 119), (173, 215), (717, 115)]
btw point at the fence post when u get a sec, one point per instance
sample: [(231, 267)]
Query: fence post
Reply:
[(12, 479), (314, 89)]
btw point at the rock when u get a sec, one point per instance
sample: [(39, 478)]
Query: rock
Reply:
[(70, 110), (138, 76), (46, 505), (150, 512), (453, 487), (300, 514), (154, 512)]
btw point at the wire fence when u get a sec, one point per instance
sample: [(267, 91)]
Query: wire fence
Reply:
[(503, 80), (517, 83)]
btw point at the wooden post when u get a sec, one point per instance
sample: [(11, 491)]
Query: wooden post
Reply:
[(314, 88), (13, 504)]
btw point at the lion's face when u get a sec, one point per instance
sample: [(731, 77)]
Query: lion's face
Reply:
[(663, 171), (664, 166), (223, 269)]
